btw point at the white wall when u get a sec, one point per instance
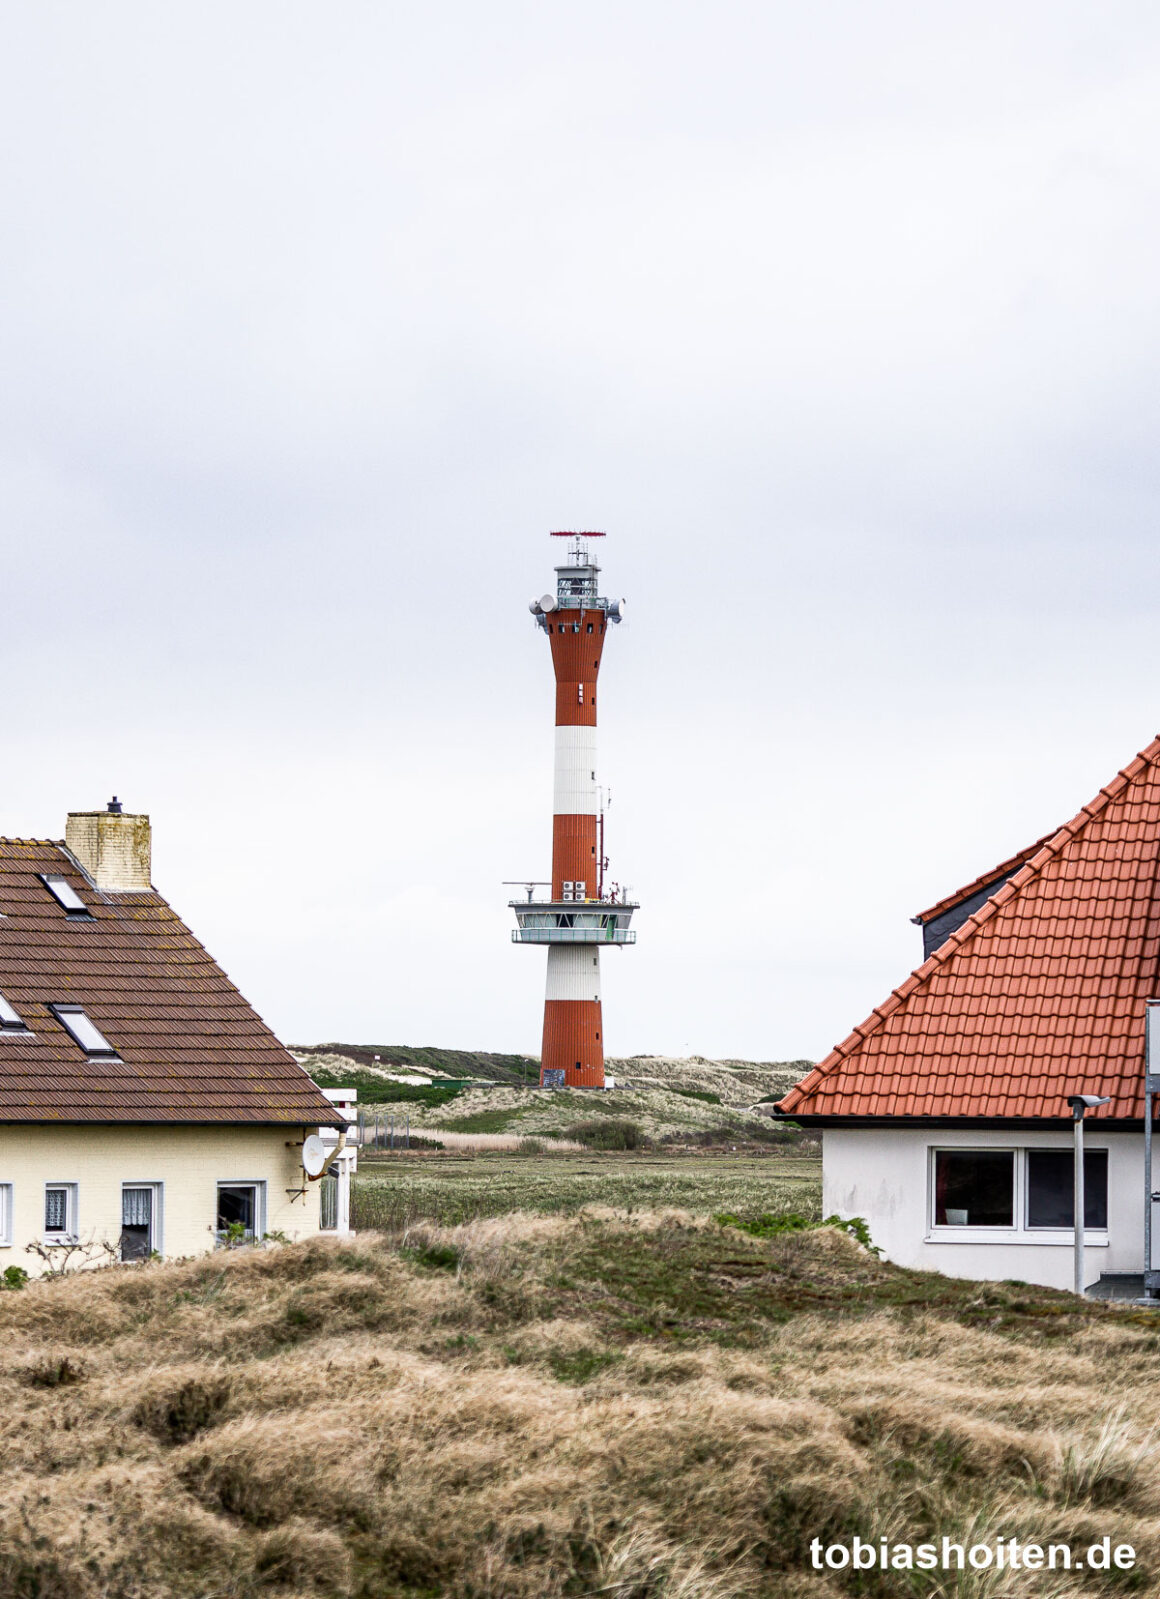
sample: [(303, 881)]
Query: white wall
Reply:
[(884, 1174), (186, 1163)]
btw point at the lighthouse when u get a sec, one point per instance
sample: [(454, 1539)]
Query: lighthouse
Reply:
[(581, 913)]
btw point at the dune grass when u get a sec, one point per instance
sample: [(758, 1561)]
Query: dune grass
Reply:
[(395, 1190), (652, 1406)]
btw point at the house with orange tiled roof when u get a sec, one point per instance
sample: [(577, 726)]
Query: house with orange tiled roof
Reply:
[(145, 1108), (944, 1114)]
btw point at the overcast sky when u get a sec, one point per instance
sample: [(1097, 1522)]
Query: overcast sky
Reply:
[(841, 319)]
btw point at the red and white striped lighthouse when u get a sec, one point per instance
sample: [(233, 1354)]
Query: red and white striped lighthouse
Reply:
[(579, 916)]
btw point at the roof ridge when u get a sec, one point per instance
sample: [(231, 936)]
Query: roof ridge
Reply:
[(1002, 896)]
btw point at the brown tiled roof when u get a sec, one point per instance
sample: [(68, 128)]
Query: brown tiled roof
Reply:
[(1038, 995), (191, 1049), (997, 874)]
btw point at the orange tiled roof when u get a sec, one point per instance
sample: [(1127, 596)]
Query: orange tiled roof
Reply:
[(1005, 869), (1038, 995), (189, 1047)]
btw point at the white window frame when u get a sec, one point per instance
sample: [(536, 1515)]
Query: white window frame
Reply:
[(69, 1233), (12, 1024), (1063, 1232), (103, 1051), (941, 1229), (157, 1242), (1019, 1232), (6, 1201), (258, 1183), (64, 894)]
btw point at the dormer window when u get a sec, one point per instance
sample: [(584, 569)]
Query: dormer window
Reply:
[(10, 1022), (64, 894), (84, 1030)]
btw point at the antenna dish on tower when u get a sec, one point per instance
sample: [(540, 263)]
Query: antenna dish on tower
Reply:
[(548, 602)]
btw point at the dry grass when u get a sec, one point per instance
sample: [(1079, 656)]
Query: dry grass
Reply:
[(530, 1407), (395, 1190), (502, 1143), (656, 1106)]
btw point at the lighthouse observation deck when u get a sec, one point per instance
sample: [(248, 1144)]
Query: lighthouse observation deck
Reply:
[(592, 921)]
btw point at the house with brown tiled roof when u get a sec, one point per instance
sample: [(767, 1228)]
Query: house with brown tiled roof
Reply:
[(945, 1114), (144, 1106)]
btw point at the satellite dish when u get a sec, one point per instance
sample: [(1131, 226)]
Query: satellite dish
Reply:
[(547, 602), (315, 1156), (535, 607)]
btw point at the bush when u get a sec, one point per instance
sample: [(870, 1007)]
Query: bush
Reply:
[(13, 1277), (769, 1225), (697, 1093), (607, 1133), (373, 1090), (482, 1121), (176, 1415), (53, 1372)]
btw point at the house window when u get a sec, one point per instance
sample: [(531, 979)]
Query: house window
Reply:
[(241, 1205), (5, 1214), (60, 1212), (85, 1031), (64, 894), (1051, 1188), (328, 1203), (9, 1021), (140, 1207), (974, 1188)]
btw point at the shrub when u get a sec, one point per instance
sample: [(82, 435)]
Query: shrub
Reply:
[(58, 1371), (175, 1415), (607, 1133), (697, 1093), (770, 1224), (13, 1277), (482, 1121)]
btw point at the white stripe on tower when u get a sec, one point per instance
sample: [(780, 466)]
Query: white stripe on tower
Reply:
[(573, 972), (574, 793)]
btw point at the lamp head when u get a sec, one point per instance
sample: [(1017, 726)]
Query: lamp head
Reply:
[(1084, 1102)]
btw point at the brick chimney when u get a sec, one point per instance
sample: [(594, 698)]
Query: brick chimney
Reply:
[(114, 849)]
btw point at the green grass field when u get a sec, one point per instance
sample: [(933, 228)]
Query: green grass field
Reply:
[(451, 1189)]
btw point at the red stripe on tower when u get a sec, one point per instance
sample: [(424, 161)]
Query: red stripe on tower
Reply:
[(579, 916)]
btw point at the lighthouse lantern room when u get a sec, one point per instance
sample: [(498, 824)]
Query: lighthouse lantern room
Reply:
[(581, 913)]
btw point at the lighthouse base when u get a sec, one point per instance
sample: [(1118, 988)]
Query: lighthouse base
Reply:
[(572, 1044)]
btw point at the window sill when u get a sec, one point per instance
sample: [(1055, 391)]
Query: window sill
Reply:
[(1093, 1238)]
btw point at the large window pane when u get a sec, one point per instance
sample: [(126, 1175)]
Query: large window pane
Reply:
[(237, 1206), (974, 1188), (1051, 1188)]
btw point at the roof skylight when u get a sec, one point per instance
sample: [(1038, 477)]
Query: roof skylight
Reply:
[(64, 893), (10, 1022), (86, 1032)]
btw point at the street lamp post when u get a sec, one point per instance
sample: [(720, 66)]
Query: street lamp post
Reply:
[(1080, 1105)]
